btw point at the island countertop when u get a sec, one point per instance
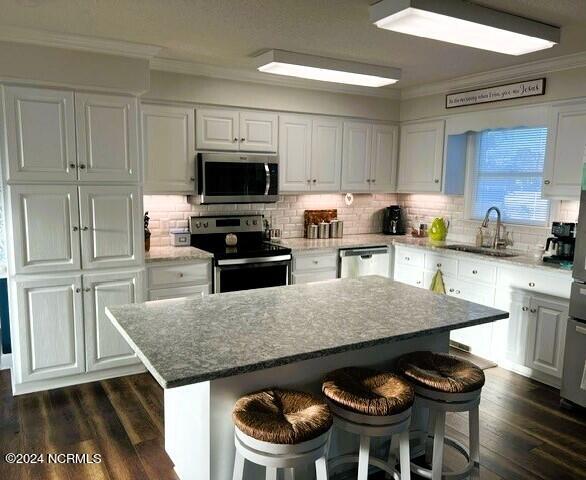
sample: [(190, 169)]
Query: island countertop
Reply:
[(194, 339)]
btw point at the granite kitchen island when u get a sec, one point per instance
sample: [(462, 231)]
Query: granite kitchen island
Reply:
[(207, 352)]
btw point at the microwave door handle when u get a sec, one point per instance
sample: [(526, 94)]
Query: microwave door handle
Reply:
[(267, 179)]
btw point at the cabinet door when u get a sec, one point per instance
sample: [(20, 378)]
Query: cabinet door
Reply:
[(179, 292), (384, 158), (546, 335), (111, 226), (40, 129), (107, 137), (409, 275), (294, 153), (217, 130), (104, 346), (566, 149), (168, 136), (356, 157), (46, 228), (258, 131), (326, 155), (421, 157), (50, 328), (510, 338)]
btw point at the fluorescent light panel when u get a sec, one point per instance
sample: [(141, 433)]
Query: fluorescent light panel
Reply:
[(280, 62), (455, 21)]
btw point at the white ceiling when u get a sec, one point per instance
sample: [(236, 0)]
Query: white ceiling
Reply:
[(228, 33)]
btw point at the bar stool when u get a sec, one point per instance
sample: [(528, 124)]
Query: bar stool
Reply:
[(444, 383), (285, 429), (371, 404)]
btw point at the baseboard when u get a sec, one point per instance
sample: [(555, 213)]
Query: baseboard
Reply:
[(5, 361), (42, 385), (531, 373)]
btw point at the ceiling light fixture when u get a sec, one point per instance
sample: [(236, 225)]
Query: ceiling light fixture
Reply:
[(280, 62), (464, 23)]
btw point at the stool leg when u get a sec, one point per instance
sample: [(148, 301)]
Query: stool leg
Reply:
[(271, 473), (238, 467), (438, 445), (363, 457), (428, 443), (474, 426), (321, 469), (405, 455), (392, 461)]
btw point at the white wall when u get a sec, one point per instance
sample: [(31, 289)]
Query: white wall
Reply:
[(166, 86), (58, 66)]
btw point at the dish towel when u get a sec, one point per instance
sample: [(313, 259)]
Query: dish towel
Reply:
[(437, 283)]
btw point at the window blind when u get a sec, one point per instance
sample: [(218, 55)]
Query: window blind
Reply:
[(509, 174)]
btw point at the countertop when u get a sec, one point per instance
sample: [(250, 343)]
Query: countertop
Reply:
[(166, 254), (373, 239), (194, 339)]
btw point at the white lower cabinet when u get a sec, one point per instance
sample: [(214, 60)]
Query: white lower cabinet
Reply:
[(179, 279), (105, 347), (409, 275), (49, 328), (314, 267)]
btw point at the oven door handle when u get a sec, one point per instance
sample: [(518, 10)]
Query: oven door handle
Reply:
[(248, 261), (267, 179)]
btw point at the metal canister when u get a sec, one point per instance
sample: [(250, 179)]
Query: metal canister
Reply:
[(336, 228), (312, 230), (323, 230)]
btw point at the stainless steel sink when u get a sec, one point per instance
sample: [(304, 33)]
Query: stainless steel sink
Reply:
[(489, 252)]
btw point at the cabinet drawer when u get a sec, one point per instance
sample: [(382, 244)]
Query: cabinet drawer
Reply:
[(180, 292), (409, 275), (535, 280), (195, 273), (476, 271), (313, 277), (448, 265), (303, 263), (414, 258)]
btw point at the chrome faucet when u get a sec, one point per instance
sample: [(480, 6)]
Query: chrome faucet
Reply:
[(500, 240)]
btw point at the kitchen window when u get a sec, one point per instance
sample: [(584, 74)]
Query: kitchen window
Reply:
[(507, 172)]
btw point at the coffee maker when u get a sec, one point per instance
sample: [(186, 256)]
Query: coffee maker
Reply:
[(563, 243), (393, 222)]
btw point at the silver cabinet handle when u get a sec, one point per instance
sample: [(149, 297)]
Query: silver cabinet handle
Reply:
[(75, 229), (474, 272), (531, 284), (533, 310), (547, 182)]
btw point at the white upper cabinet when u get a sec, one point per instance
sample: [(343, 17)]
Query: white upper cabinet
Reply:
[(111, 226), (383, 170), (294, 153), (45, 221), (565, 151), (421, 157), (40, 128), (258, 131), (50, 328), (107, 137), (105, 347), (225, 129), (168, 136), (217, 129), (326, 154), (356, 157)]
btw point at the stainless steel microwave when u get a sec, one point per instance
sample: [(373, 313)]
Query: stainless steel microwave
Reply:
[(237, 178)]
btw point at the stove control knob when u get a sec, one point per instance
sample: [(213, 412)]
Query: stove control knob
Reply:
[(205, 225), (197, 224), (247, 222), (255, 222)]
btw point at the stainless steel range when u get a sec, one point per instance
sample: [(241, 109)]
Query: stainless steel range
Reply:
[(242, 260)]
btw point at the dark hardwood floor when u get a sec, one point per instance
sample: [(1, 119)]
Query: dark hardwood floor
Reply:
[(525, 434)]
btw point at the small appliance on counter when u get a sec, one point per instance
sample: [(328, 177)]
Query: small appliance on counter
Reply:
[(393, 221), (180, 237), (563, 243)]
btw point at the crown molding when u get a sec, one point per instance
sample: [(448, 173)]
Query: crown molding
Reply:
[(78, 42), (516, 72), (213, 71)]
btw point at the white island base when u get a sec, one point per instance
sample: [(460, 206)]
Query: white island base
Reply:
[(199, 433)]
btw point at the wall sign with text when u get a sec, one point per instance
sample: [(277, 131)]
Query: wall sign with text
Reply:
[(529, 88)]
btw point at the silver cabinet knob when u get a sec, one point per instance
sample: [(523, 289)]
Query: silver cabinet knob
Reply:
[(368, 180), (180, 275), (235, 140), (531, 284), (418, 282), (78, 290), (436, 180), (242, 139), (474, 272), (316, 262), (75, 229), (451, 290), (85, 229), (309, 180), (458, 292), (373, 180), (533, 310), (524, 309), (408, 258), (81, 166), (87, 289), (192, 179), (72, 165), (314, 180), (547, 182), (438, 265)]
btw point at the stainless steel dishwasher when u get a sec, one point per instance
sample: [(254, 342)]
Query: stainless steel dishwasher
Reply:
[(358, 262)]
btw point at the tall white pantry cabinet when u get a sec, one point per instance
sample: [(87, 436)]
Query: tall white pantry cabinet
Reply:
[(74, 227)]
